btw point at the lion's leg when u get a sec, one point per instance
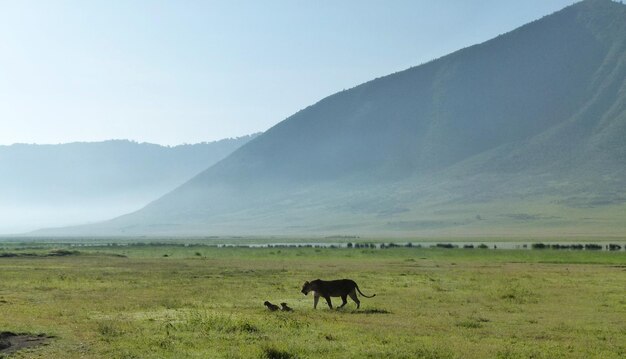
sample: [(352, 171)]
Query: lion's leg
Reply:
[(354, 297), (330, 304), (344, 298), (316, 298)]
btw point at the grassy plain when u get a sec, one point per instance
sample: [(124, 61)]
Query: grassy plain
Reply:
[(207, 302)]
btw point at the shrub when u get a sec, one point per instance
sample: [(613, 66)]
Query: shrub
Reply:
[(614, 247), (446, 245)]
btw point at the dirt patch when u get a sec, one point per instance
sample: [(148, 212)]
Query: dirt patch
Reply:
[(12, 342)]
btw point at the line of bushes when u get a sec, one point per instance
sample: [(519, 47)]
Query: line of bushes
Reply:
[(588, 246)]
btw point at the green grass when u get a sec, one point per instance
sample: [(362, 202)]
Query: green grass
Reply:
[(199, 302)]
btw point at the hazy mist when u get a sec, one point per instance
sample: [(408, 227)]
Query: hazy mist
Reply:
[(77, 183)]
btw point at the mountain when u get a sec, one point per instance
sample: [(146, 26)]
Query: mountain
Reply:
[(520, 135), (45, 184)]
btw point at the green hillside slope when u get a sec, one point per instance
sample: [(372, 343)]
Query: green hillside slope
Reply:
[(521, 134)]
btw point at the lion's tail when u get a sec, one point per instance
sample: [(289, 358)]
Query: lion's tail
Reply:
[(366, 296)]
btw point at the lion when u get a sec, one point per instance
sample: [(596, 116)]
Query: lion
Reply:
[(333, 288)]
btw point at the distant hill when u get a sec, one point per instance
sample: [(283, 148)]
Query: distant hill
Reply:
[(521, 135), (94, 181)]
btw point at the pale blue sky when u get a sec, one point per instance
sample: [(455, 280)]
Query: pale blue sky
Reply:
[(173, 72)]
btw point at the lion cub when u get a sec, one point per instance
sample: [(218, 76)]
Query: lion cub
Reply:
[(285, 307), (270, 306)]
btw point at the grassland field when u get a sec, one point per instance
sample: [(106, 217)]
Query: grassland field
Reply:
[(175, 301)]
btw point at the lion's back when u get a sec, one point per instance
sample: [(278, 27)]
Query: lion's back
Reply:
[(337, 288)]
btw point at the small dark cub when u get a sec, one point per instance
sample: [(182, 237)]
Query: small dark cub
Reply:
[(270, 306), (285, 307)]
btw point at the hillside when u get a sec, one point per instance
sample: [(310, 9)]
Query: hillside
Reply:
[(523, 134), (94, 181)]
